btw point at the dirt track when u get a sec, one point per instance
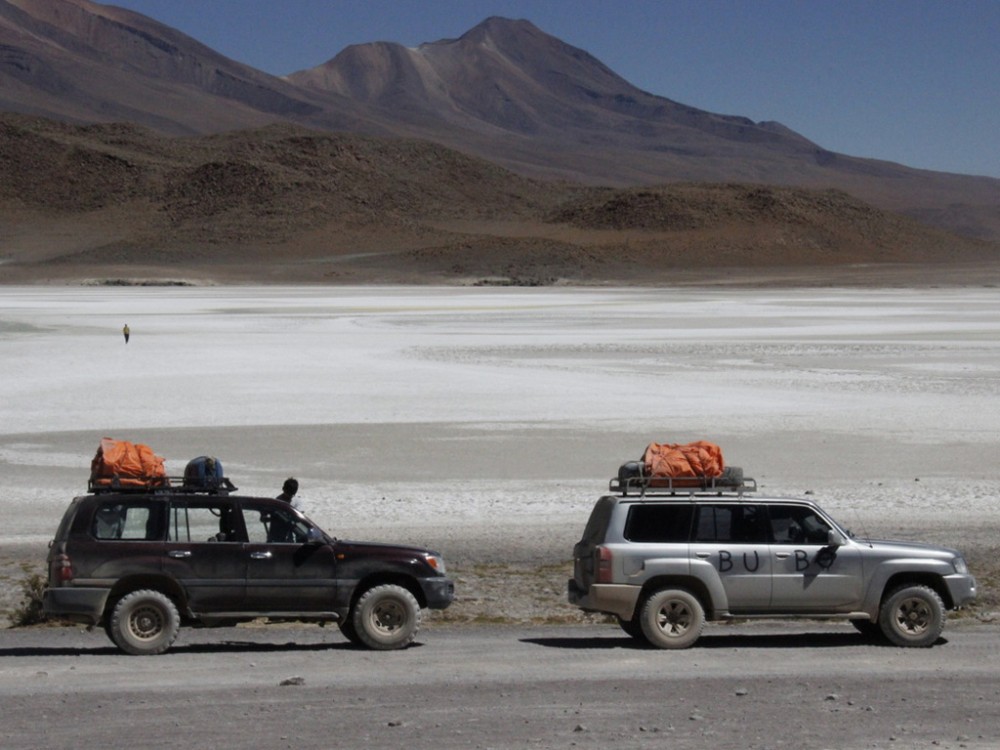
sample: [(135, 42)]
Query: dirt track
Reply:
[(808, 685)]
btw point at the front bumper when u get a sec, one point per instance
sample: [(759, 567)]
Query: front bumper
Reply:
[(439, 592), (961, 589), (609, 598)]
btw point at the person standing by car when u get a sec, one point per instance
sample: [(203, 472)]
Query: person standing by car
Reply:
[(280, 526), (288, 492)]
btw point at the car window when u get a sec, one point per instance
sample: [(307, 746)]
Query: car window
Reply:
[(201, 521), (798, 524), (658, 523), (274, 524), (732, 523), (125, 520), (598, 522)]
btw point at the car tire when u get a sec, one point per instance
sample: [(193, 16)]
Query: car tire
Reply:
[(672, 618), (144, 623), (347, 629), (386, 617), (632, 628), (913, 616)]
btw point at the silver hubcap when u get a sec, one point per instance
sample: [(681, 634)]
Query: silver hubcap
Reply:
[(146, 622), (388, 616), (913, 616), (673, 618)]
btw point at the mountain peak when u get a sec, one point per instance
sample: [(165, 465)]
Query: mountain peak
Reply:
[(505, 90), (500, 26)]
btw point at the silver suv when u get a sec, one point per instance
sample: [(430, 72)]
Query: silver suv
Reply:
[(665, 560)]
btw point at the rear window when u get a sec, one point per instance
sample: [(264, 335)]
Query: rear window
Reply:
[(598, 522), (69, 519), (125, 520), (658, 523)]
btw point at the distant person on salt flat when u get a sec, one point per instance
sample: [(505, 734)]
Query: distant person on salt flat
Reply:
[(125, 332)]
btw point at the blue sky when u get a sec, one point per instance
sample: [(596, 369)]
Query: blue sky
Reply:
[(911, 81)]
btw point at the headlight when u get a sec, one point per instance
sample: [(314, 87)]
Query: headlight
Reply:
[(436, 562), (960, 566)]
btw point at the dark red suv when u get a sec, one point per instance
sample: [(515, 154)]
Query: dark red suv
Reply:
[(143, 562)]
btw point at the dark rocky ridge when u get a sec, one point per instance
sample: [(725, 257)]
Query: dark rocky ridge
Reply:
[(284, 203)]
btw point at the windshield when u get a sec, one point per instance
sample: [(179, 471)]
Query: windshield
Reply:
[(839, 526)]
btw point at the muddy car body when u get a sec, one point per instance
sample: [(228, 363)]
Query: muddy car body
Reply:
[(141, 564)]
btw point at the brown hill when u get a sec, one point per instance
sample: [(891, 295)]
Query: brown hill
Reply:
[(79, 61), (283, 203), (505, 91)]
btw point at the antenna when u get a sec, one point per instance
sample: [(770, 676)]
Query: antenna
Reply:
[(861, 525)]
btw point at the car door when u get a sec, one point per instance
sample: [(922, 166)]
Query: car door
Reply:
[(732, 538), (205, 554), (287, 571), (809, 574)]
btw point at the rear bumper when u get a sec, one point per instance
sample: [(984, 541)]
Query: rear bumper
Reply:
[(79, 604), (609, 598)]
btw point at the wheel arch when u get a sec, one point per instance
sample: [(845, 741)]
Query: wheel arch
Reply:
[(695, 585), (930, 580), (389, 577), (165, 585)]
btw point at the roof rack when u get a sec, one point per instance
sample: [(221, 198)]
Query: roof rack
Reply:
[(644, 486), (146, 485)]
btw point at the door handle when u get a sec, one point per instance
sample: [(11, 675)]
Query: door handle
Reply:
[(703, 555), (179, 553), (781, 555), (261, 555)]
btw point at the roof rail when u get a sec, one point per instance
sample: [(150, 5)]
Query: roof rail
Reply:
[(146, 485), (644, 486)]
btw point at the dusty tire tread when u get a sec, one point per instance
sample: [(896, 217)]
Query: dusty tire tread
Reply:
[(921, 601), (163, 620), (679, 608), (381, 632)]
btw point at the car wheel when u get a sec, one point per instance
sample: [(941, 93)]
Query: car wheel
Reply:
[(672, 618), (386, 617), (632, 628), (144, 622), (347, 628), (912, 616)]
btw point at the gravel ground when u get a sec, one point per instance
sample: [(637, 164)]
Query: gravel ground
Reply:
[(760, 686)]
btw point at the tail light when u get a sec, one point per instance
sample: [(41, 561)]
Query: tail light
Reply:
[(62, 569), (603, 555)]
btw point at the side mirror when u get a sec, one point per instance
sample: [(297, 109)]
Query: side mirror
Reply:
[(315, 536), (835, 539)]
